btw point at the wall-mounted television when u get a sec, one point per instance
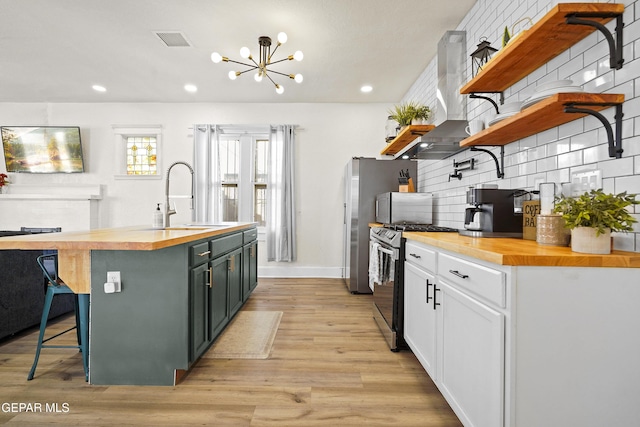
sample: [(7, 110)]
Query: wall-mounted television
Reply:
[(42, 149)]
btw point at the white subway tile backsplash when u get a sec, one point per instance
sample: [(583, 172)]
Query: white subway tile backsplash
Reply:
[(547, 136), (567, 160), (616, 167), (572, 67), (558, 147), (596, 154), (548, 164), (553, 154), (575, 127), (584, 140)]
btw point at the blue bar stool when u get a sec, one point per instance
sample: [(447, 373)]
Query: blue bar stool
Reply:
[(49, 263)]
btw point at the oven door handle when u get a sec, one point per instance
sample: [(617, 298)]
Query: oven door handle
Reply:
[(386, 251)]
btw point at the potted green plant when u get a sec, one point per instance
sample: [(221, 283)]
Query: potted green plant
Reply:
[(592, 217), (408, 112)]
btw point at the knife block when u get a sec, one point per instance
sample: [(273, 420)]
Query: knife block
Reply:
[(407, 188)]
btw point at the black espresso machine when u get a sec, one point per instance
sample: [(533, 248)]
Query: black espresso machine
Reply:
[(493, 212)]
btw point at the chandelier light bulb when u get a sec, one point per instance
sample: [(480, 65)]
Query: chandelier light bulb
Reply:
[(260, 67), (216, 57)]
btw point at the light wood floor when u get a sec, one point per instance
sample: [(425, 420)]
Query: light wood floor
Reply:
[(329, 366)]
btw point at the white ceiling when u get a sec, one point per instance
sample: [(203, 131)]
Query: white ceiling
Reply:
[(55, 50)]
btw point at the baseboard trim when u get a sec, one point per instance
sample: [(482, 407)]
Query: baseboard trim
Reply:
[(300, 272)]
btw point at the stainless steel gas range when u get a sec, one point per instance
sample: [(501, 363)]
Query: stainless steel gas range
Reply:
[(386, 277)]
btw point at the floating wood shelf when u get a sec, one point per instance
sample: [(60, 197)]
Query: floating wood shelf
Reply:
[(542, 42), (406, 137), (546, 114)]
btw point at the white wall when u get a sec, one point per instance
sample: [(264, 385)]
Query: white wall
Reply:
[(329, 135), (553, 155)]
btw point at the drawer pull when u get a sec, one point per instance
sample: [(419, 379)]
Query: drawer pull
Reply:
[(457, 273), (415, 256), (204, 253)]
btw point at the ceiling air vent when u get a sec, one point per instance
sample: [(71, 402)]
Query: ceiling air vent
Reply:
[(172, 38)]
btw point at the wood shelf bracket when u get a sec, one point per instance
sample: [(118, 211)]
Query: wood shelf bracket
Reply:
[(495, 105), (615, 46), (615, 143), (499, 166)]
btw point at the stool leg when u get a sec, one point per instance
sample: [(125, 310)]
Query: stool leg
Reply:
[(83, 309), (43, 325)]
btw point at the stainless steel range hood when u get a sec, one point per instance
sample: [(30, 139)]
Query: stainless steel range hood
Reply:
[(450, 113)]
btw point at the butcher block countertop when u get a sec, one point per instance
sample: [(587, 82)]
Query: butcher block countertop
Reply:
[(508, 251), (138, 238)]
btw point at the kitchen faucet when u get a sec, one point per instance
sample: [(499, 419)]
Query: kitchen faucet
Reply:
[(168, 210)]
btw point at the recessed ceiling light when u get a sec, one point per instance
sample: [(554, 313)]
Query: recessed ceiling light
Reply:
[(190, 88), (99, 88), (366, 89)]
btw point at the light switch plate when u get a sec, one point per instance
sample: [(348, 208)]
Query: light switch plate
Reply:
[(585, 181)]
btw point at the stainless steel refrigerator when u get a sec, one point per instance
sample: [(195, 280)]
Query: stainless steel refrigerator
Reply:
[(364, 179)]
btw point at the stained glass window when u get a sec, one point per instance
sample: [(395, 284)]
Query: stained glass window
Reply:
[(142, 155)]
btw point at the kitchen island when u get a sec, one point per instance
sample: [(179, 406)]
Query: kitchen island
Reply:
[(180, 286), (519, 334)]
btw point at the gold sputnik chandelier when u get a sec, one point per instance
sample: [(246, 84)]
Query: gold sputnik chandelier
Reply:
[(264, 63)]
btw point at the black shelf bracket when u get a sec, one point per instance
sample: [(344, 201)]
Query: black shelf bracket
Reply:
[(499, 166), (495, 105), (615, 144), (615, 45)]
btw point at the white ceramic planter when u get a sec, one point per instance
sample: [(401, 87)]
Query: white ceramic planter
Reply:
[(584, 240)]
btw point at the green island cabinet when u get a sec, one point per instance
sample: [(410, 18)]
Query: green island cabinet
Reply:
[(174, 303)]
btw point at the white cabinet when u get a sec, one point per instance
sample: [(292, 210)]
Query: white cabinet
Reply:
[(526, 346), (470, 357), (455, 333), (420, 317)]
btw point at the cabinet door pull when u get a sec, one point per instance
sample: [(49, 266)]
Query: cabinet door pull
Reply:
[(457, 273), (428, 297), (415, 256), (435, 289), (232, 263), (210, 277), (205, 253)]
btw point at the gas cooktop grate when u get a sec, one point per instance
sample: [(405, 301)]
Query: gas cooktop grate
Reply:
[(421, 227)]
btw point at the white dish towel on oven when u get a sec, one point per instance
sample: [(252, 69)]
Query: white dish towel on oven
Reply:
[(374, 264)]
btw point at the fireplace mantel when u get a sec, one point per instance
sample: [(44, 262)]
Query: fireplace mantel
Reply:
[(72, 207)]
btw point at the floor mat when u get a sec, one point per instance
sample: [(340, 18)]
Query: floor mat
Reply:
[(249, 336)]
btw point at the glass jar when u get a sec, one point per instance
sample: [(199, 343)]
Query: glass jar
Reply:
[(391, 129)]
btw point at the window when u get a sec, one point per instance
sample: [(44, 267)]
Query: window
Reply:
[(142, 155), (137, 151), (243, 175)]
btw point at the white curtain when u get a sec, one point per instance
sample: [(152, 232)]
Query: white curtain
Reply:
[(281, 223)]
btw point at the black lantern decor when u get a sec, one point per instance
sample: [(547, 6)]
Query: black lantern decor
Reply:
[(481, 56)]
